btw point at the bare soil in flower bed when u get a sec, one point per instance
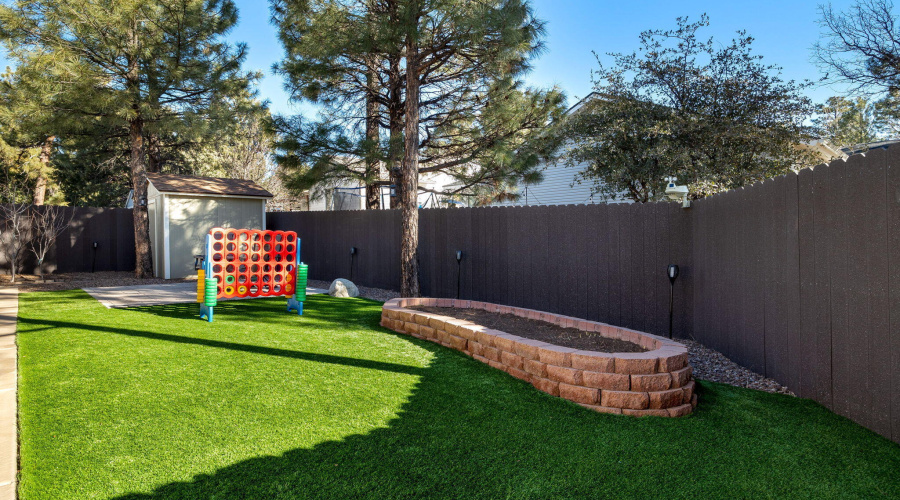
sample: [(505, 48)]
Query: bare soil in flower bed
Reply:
[(536, 330)]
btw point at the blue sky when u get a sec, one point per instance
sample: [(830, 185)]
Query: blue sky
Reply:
[(784, 32)]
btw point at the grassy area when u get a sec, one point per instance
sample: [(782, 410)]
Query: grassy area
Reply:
[(154, 403)]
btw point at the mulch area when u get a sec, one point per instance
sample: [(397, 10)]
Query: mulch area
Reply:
[(536, 330)]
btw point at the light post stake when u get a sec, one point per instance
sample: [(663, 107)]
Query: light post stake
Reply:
[(672, 272), (458, 270)]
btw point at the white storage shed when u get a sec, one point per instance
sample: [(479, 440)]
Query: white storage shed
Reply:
[(182, 210)]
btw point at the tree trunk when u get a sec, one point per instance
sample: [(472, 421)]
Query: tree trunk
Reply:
[(409, 173), (154, 155), (143, 262), (373, 201), (143, 267), (395, 121), (373, 166), (40, 188)]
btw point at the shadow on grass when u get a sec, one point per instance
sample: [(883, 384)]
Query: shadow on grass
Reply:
[(468, 431), (270, 310), (255, 349)]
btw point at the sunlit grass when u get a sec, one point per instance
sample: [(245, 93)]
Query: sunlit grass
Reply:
[(154, 403), (117, 401)]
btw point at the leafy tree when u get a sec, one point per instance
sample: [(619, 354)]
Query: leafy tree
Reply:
[(715, 116), (241, 147), (622, 142), (147, 70), (886, 115), (845, 122)]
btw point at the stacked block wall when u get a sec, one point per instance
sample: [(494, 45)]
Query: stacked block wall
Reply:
[(657, 382)]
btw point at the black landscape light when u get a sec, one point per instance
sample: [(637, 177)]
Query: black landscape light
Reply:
[(672, 272), (94, 247), (352, 254), (459, 256)]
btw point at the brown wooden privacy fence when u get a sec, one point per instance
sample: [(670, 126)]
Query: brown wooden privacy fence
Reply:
[(797, 278), (599, 262), (111, 228)]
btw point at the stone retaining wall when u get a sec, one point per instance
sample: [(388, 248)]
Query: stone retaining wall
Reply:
[(658, 382)]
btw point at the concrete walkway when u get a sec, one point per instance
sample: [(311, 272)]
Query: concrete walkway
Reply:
[(9, 309), (152, 295)]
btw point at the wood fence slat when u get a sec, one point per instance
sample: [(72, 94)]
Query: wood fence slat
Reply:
[(892, 187)]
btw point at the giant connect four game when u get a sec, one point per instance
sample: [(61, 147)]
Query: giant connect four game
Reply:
[(243, 263)]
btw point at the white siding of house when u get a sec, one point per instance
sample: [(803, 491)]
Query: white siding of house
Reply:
[(347, 196), (351, 196), (155, 215), (559, 188)]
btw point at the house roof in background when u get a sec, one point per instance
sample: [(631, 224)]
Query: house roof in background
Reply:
[(188, 184), (863, 148)]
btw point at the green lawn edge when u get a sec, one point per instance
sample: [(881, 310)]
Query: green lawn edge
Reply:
[(154, 403)]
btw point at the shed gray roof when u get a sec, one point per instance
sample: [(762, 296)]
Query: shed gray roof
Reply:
[(188, 184)]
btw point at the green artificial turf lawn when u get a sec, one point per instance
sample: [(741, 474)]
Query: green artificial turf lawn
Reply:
[(154, 403)]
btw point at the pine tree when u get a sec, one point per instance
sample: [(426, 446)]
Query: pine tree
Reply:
[(341, 57), (463, 59), (26, 123), (449, 93), (141, 69), (845, 122)]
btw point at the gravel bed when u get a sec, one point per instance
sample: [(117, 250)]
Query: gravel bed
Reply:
[(72, 281), (712, 365)]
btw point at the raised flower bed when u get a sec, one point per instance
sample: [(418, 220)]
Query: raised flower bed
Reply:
[(657, 381)]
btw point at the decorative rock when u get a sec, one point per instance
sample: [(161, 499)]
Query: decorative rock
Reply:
[(343, 288)]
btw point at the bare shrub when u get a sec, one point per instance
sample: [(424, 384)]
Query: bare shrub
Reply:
[(47, 223)]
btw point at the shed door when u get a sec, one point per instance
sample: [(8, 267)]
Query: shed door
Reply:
[(190, 219)]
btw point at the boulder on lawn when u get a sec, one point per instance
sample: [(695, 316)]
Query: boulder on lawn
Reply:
[(343, 288)]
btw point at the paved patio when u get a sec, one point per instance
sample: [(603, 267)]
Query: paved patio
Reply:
[(9, 308), (151, 295)]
